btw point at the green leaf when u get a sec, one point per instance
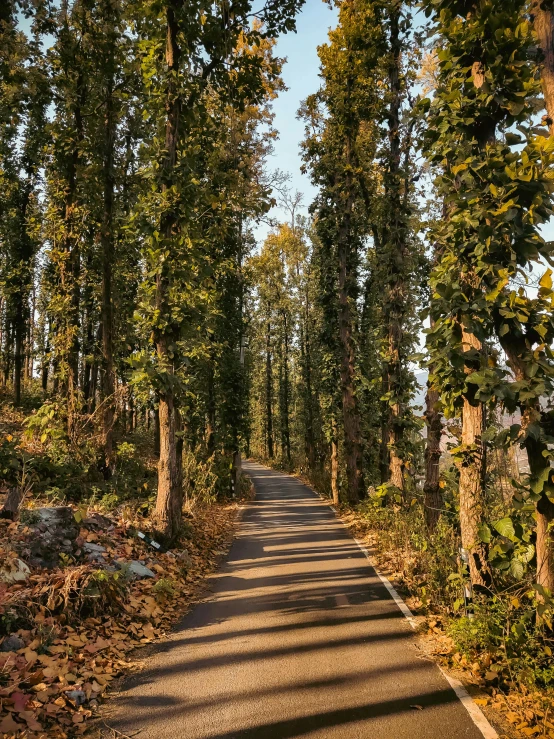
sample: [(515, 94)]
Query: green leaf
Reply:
[(505, 527), (517, 570), (484, 533)]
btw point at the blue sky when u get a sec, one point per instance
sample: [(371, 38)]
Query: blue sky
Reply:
[(300, 74)]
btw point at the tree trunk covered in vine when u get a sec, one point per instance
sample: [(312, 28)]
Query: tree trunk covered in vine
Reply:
[(471, 492), (286, 383), (346, 283), (167, 514), (108, 248), (334, 463), (269, 392), (543, 22), (394, 257), (539, 464), (432, 502)]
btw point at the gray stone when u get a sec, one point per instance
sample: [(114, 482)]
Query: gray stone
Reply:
[(56, 531), (184, 558), (77, 697), (58, 517), (15, 571), (12, 644), (91, 548), (137, 570), (98, 521)]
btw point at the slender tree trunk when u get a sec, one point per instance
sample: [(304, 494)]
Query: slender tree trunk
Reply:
[(433, 499), (2, 334), (70, 271), (18, 356), (516, 350), (107, 242), (281, 407), (157, 431), (334, 463), (286, 390), (543, 22), (210, 408), (396, 299), (45, 354), (307, 363), (21, 297), (93, 386), (431, 489), (44, 375), (167, 515), (269, 393), (132, 411), (32, 332), (8, 353), (88, 340), (471, 478), (168, 511), (12, 503), (350, 412)]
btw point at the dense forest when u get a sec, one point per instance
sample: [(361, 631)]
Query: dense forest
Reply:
[(142, 317)]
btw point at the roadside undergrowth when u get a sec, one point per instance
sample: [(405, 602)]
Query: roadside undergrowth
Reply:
[(68, 632)]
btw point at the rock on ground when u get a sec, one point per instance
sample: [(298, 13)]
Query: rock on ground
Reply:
[(15, 571), (55, 532)]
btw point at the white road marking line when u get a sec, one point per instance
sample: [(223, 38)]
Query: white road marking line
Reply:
[(475, 713)]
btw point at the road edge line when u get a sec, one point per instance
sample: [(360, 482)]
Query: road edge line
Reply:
[(475, 713)]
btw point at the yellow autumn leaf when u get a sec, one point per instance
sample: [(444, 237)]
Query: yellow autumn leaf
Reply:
[(546, 280)]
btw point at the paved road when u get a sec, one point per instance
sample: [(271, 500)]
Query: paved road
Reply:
[(298, 639)]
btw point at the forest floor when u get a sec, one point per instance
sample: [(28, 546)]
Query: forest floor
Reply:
[(298, 636), (73, 628), (80, 590)]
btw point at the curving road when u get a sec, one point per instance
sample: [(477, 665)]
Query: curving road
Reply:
[(299, 638)]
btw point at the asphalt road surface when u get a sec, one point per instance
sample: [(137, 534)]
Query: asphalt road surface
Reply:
[(299, 638)]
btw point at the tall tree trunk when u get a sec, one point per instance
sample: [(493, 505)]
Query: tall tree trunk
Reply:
[(8, 344), (70, 271), (44, 373), (394, 245), (21, 297), (169, 503), (350, 412), (88, 349), (13, 502), (269, 393), (286, 429), (18, 356), (107, 242), (305, 345), (32, 332), (157, 431), (471, 477), (433, 499), (543, 22), (516, 350), (210, 407), (334, 463), (431, 489)]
